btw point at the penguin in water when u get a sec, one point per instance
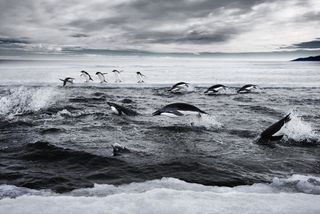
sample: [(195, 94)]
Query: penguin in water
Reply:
[(246, 88), (140, 77), (117, 75), (101, 77), (86, 75), (215, 89), (120, 110), (269, 134), (179, 87), (179, 109), (119, 149), (67, 80)]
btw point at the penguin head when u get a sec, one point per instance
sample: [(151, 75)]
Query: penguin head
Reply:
[(156, 113)]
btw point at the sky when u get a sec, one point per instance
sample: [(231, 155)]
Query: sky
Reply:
[(183, 26)]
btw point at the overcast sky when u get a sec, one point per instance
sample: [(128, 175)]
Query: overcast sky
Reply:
[(160, 25)]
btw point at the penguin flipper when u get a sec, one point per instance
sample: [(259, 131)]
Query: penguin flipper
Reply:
[(276, 138), (176, 112)]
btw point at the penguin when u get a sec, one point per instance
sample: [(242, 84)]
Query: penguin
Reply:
[(86, 75), (101, 77), (178, 87), (247, 88), (140, 77), (67, 80), (215, 89), (179, 109), (117, 75), (268, 134), (120, 110)]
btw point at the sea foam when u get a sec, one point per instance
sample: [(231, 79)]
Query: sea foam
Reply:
[(24, 100), (170, 195), (298, 130)]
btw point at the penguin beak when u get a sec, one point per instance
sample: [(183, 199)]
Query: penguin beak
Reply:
[(156, 113)]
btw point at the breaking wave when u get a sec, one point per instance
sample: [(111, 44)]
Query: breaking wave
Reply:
[(299, 131), (26, 100), (296, 194)]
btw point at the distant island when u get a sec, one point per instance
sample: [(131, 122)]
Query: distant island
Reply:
[(310, 58)]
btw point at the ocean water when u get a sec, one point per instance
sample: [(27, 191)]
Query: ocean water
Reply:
[(56, 142)]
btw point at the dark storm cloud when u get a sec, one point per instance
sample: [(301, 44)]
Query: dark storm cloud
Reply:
[(199, 37), (310, 16), (99, 24), (13, 43), (134, 19), (315, 44), (8, 41), (188, 25), (191, 37), (181, 9), (148, 13), (80, 35)]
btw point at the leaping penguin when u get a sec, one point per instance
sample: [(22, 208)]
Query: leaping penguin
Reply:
[(269, 134), (67, 80), (101, 77), (120, 110), (247, 88), (86, 75), (178, 109), (178, 87), (119, 149), (215, 89), (117, 75), (140, 77)]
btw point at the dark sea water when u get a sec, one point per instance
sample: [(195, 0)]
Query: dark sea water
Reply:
[(59, 139)]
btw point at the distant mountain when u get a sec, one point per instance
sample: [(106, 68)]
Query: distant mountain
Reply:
[(310, 58)]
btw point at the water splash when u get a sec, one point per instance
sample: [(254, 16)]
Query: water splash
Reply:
[(205, 120), (24, 100), (298, 130), (298, 183)]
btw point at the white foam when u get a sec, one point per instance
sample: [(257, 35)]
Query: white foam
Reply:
[(298, 130), (21, 100), (205, 120), (170, 195), (64, 112)]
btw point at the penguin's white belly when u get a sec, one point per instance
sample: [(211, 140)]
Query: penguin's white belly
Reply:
[(188, 112), (218, 89), (114, 110), (180, 88), (86, 77), (101, 78), (169, 114)]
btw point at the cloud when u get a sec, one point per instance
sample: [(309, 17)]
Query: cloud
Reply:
[(8, 41), (153, 25), (185, 37), (79, 35), (13, 43), (315, 44)]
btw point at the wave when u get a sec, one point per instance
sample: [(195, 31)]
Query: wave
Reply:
[(45, 165), (11, 124), (82, 99), (24, 100), (44, 151), (296, 194), (299, 132)]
